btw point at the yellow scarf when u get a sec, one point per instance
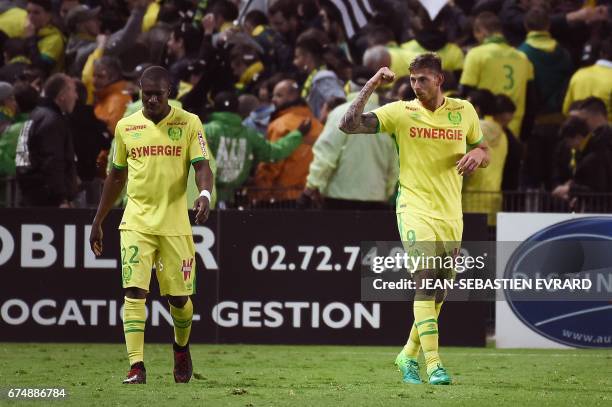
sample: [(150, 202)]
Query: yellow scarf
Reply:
[(249, 75)]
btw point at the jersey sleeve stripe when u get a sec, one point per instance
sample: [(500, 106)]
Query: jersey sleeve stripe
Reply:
[(119, 167), (197, 159), (377, 123), (476, 143)]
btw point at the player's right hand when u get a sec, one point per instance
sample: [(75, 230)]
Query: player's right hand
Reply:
[(95, 239), (383, 76)]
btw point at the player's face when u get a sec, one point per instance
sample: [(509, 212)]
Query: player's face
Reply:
[(426, 84), (154, 96)]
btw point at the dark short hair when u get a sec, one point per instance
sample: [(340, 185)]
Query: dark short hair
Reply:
[(225, 9), (286, 7), (484, 100), (226, 102), (189, 35), (503, 104), (574, 126), (54, 85), (594, 105), (313, 41), (379, 35), (256, 17), (428, 60), (488, 22), (46, 4), (606, 47), (536, 19), (156, 73), (81, 91), (25, 96)]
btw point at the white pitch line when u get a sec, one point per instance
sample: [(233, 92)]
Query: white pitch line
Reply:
[(595, 353), (572, 314)]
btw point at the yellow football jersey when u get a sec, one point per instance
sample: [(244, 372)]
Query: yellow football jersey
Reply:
[(429, 145), (450, 54), (502, 69), (13, 21), (157, 157), (594, 80), (400, 60)]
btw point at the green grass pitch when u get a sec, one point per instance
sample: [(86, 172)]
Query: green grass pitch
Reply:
[(256, 375)]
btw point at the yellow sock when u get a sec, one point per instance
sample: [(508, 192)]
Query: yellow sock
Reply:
[(182, 322), (134, 316), (426, 322), (413, 345)]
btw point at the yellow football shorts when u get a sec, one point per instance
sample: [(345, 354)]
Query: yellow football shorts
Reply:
[(172, 256), (429, 237)]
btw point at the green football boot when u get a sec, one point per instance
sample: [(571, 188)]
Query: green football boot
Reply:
[(409, 368), (439, 376)]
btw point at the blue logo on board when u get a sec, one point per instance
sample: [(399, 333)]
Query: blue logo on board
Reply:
[(583, 324)]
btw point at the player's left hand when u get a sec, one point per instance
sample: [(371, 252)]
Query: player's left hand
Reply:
[(202, 208), (470, 161)]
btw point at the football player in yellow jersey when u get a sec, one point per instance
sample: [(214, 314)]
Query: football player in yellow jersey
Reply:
[(154, 148), (502, 69), (433, 134)]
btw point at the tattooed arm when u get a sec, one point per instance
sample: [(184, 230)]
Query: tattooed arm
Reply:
[(354, 120)]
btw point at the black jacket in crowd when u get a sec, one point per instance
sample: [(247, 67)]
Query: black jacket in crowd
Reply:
[(90, 136), (46, 171), (594, 169)]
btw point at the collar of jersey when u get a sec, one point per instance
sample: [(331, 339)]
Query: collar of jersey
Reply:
[(541, 40), (162, 121), (495, 38), (435, 111)]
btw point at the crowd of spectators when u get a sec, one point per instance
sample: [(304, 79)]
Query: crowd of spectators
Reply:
[(270, 79)]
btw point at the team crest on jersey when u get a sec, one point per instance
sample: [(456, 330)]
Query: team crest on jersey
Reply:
[(186, 269), (136, 136), (175, 133), (454, 117)]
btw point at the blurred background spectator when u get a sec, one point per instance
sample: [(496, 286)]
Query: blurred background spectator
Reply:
[(288, 60)]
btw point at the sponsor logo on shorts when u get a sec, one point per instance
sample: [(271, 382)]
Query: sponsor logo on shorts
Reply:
[(186, 269)]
